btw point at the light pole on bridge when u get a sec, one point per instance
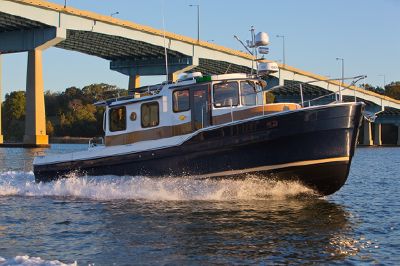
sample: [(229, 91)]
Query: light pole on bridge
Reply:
[(198, 20), (384, 80), (342, 83), (283, 48)]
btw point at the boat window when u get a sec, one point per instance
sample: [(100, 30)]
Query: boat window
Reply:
[(117, 119), (181, 100), (150, 114), (248, 93), (226, 94)]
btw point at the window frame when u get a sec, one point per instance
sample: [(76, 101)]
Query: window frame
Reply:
[(238, 93), (110, 116), (243, 96), (158, 113), (173, 100)]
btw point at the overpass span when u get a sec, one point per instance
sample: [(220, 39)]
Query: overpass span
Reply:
[(132, 49)]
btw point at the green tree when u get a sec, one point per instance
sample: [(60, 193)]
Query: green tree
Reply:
[(14, 105), (68, 113), (14, 116), (72, 112), (49, 128), (393, 90), (369, 87), (52, 103), (99, 92)]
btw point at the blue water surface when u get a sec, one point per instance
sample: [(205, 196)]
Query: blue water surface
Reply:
[(136, 220)]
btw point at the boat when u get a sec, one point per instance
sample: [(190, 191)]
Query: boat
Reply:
[(217, 126)]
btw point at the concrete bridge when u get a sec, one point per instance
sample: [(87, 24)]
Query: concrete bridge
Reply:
[(135, 50)]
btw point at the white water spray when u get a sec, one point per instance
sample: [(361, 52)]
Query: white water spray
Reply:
[(145, 188), (31, 261)]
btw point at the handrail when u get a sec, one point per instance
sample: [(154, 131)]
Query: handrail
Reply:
[(357, 79)]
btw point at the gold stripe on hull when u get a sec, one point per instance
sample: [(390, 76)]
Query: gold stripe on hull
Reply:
[(276, 167)]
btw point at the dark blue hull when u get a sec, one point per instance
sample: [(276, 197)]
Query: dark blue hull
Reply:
[(314, 146)]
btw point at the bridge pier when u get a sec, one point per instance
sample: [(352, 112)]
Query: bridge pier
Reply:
[(367, 141), (1, 102), (174, 76), (377, 134), (33, 41), (35, 119), (134, 82)]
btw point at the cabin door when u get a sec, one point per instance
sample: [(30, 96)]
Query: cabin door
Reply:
[(200, 105)]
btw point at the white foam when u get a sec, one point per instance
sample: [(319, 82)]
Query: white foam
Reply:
[(183, 188), (31, 261)]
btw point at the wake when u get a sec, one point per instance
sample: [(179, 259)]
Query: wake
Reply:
[(145, 188), (25, 260)]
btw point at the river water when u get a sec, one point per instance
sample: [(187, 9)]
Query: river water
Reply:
[(135, 220)]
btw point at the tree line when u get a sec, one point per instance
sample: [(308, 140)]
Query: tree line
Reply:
[(391, 90), (68, 113)]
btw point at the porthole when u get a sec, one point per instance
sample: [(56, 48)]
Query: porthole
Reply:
[(133, 116)]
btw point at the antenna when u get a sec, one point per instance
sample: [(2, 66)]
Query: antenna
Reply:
[(258, 45), (253, 45), (165, 45), (245, 47)]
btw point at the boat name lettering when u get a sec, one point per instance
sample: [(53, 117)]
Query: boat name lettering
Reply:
[(272, 124)]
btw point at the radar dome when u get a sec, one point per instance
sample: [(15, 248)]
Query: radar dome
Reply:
[(262, 39)]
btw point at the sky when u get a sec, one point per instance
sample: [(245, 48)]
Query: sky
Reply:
[(366, 33)]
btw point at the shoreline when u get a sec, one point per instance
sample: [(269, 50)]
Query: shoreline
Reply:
[(69, 140), (52, 140)]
